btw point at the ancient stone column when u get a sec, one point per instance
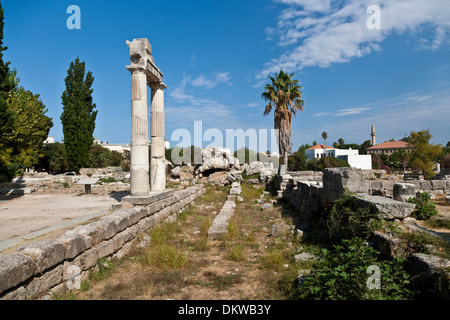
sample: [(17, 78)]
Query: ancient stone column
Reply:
[(139, 135), (157, 132)]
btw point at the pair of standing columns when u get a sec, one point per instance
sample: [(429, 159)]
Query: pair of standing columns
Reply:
[(141, 184)]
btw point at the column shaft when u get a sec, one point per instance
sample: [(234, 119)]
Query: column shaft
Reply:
[(158, 150), (139, 135)]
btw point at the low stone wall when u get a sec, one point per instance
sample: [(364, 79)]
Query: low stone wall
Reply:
[(385, 187), (44, 265), (312, 197)]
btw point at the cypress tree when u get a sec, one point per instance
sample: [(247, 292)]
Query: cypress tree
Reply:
[(78, 117)]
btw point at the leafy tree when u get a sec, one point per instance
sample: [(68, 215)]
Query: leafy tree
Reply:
[(54, 160), (400, 159), (326, 162), (314, 143), (78, 117), (180, 156), (366, 144), (7, 120), (424, 153), (297, 161), (31, 128), (341, 143), (100, 157), (284, 96), (249, 155)]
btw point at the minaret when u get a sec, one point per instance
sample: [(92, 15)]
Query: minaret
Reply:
[(373, 135)]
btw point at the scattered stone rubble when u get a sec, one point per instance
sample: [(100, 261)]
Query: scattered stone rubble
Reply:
[(387, 198)]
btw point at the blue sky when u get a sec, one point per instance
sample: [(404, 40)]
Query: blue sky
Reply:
[(216, 56)]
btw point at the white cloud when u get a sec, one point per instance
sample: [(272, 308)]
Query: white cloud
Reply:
[(212, 82), (343, 112), (323, 33), (183, 109), (351, 111), (310, 5)]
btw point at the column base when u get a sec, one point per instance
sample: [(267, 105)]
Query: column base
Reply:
[(147, 199)]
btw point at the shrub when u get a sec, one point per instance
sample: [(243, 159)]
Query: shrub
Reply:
[(425, 209), (342, 274), (347, 219)]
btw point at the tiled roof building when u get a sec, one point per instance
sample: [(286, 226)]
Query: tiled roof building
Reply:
[(389, 147)]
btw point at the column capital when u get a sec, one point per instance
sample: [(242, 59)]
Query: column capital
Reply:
[(157, 85), (134, 69)]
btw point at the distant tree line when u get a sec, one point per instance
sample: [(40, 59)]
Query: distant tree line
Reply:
[(55, 159)]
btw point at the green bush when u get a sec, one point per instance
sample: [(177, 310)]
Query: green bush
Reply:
[(342, 274), (327, 162), (347, 219), (425, 209)]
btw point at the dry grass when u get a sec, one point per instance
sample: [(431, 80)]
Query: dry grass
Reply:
[(181, 263)]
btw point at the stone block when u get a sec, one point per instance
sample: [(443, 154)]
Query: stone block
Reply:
[(388, 244), (404, 191), (304, 256), (42, 283), (219, 225), (14, 269), (121, 218), (73, 243), (88, 259), (432, 272), (128, 234), (386, 208), (147, 223), (282, 229), (236, 191), (18, 294), (93, 231), (136, 215), (438, 185), (126, 248), (108, 225), (425, 185), (341, 179), (106, 248), (45, 253)]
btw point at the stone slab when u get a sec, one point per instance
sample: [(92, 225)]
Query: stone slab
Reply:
[(88, 181), (386, 208), (146, 200)]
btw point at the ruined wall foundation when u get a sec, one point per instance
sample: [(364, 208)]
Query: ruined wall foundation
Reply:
[(51, 265)]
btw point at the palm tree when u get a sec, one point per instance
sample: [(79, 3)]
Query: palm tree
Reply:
[(324, 137), (284, 96)]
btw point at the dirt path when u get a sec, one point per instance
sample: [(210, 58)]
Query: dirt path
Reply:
[(246, 264)]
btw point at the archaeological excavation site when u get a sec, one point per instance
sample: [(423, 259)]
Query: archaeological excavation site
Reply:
[(228, 179)]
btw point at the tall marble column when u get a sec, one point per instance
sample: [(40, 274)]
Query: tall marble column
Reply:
[(157, 132), (139, 134)]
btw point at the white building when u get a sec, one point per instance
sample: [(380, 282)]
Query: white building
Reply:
[(49, 140), (354, 159)]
